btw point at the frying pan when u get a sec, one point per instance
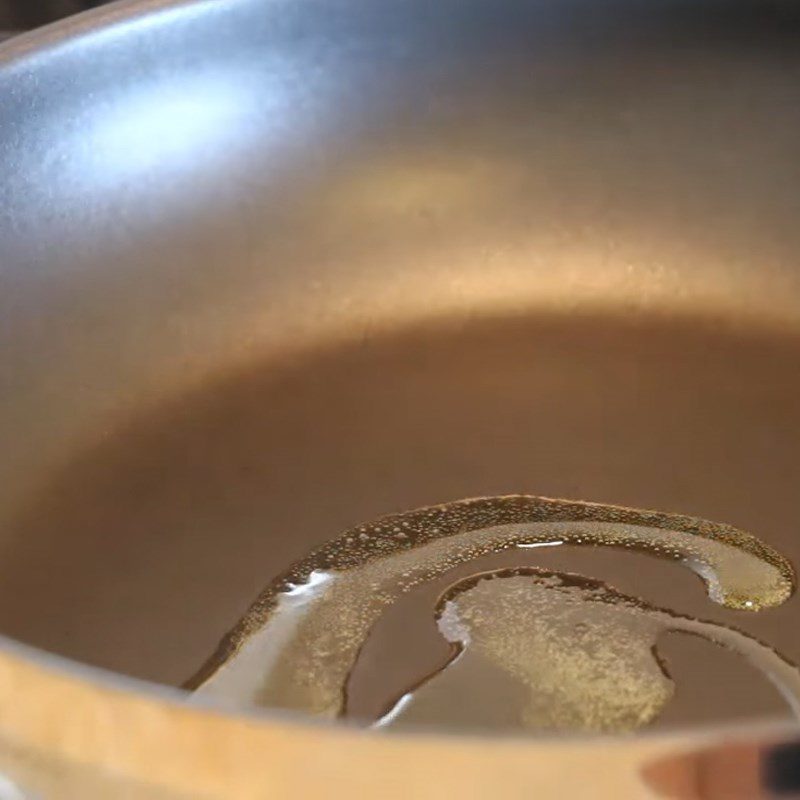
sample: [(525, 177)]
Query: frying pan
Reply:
[(272, 268)]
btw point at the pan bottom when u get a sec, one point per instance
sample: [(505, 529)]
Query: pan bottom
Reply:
[(141, 552)]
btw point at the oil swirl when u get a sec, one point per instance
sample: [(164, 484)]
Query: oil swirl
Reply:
[(298, 643)]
